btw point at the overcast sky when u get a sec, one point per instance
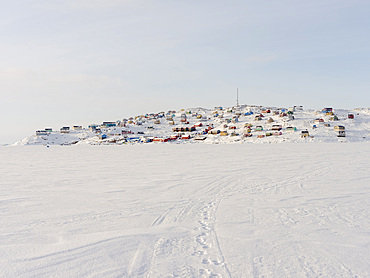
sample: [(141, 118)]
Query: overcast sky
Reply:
[(69, 62)]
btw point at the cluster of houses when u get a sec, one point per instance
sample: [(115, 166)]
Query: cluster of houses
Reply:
[(339, 129), (199, 124)]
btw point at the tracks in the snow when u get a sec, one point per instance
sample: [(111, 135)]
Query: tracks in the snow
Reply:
[(200, 245), (198, 210)]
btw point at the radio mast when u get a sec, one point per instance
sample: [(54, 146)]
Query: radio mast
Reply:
[(237, 97)]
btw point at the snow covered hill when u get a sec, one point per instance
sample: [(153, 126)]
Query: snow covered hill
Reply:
[(244, 124)]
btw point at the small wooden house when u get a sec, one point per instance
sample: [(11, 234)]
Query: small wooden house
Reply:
[(341, 133), (93, 127), (257, 118), (291, 128), (160, 139), (112, 124), (334, 118), (146, 139), (200, 138), (64, 129), (277, 127), (328, 111), (214, 131), (174, 137), (298, 108), (339, 127), (304, 134), (41, 132)]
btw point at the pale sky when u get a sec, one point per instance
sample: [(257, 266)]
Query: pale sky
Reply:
[(76, 62)]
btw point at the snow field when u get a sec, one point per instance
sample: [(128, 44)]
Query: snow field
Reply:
[(189, 210)]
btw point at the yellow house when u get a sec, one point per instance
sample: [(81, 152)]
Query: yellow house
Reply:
[(304, 134)]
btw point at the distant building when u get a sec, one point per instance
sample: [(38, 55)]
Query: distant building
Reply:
[(108, 124), (93, 127), (64, 129), (41, 132)]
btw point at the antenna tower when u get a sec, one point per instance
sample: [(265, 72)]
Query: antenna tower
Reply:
[(237, 97)]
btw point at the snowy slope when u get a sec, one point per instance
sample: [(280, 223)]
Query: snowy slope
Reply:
[(189, 210), (144, 126)]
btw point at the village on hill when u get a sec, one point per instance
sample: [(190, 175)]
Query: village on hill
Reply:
[(238, 124)]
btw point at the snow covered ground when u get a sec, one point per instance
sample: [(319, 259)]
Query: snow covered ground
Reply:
[(187, 210)]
